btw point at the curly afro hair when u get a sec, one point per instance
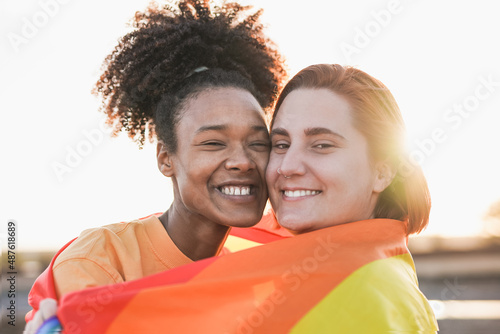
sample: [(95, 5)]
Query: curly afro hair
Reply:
[(174, 52)]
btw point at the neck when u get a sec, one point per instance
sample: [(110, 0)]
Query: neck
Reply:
[(195, 236)]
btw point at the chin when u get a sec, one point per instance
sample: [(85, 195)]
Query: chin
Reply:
[(294, 224), (246, 221)]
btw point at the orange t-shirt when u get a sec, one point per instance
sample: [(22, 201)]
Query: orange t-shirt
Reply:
[(116, 253)]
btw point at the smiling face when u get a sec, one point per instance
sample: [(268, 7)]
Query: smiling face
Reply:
[(327, 177), (218, 170)]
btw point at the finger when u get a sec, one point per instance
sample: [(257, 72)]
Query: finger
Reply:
[(48, 308), (34, 324)]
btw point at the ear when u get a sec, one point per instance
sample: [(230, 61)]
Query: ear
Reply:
[(384, 174), (164, 160)]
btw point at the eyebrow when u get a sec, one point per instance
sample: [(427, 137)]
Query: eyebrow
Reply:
[(279, 131), (308, 132), (322, 131), (222, 127), (206, 128)]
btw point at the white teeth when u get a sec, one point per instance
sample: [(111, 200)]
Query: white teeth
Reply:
[(235, 191), (300, 193)]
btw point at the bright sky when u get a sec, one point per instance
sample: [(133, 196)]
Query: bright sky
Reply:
[(439, 58)]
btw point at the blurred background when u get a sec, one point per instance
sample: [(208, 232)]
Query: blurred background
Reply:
[(61, 172)]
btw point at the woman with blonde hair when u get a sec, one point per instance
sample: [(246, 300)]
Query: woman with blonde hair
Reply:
[(375, 159)]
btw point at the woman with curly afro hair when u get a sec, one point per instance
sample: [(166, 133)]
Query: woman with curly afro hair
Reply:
[(199, 79)]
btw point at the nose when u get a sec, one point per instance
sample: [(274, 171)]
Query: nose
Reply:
[(240, 160), (292, 163)]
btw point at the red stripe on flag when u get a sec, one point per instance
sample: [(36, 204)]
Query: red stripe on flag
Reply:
[(267, 230), (44, 286), (88, 316)]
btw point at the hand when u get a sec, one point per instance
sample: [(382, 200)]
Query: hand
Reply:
[(47, 309)]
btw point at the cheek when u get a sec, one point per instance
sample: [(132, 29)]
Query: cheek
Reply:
[(197, 170), (270, 181), (261, 160), (271, 174), (359, 179), (364, 169), (341, 173)]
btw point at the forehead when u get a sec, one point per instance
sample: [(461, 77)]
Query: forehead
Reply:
[(309, 108), (221, 106)]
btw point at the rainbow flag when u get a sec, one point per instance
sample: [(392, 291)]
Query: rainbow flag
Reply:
[(351, 278)]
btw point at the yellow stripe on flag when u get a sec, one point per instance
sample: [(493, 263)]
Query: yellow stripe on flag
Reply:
[(368, 301), (235, 244)]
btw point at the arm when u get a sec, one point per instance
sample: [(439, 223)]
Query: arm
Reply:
[(81, 273)]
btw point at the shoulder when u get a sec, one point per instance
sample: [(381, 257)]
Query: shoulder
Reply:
[(109, 239), (379, 297), (388, 289)]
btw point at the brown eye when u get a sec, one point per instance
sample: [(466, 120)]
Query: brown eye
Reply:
[(280, 147), (320, 146), (260, 145), (212, 145)]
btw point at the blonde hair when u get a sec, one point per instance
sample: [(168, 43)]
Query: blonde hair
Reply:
[(377, 116)]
